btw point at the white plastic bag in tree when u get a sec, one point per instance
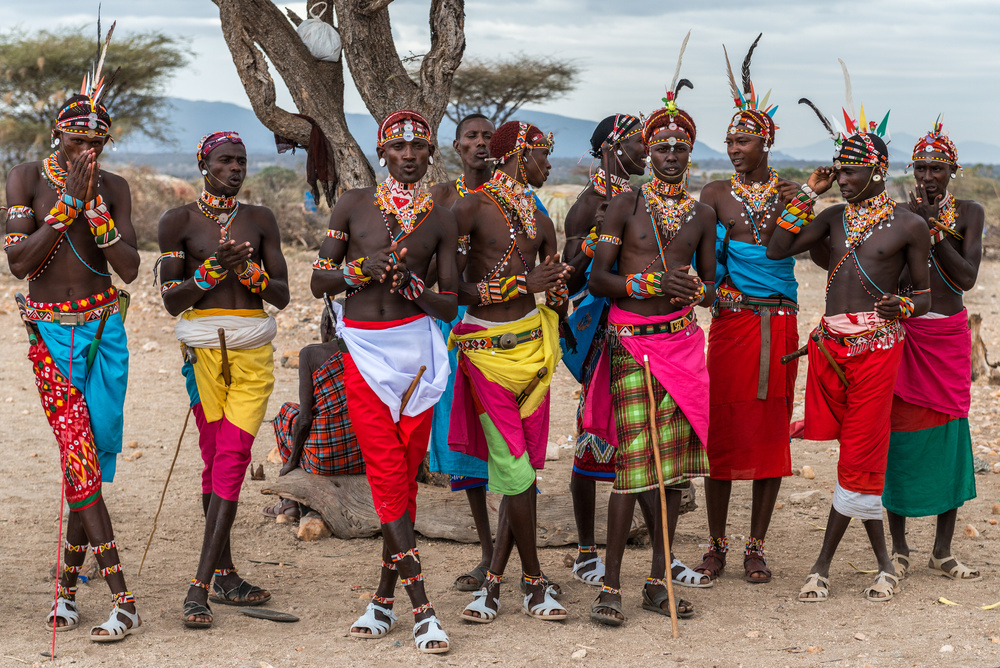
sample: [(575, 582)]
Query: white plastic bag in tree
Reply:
[(319, 36)]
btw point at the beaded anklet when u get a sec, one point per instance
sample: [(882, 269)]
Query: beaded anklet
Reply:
[(656, 581), (68, 593), (493, 578), (406, 582), (116, 568), (390, 567), (123, 598), (720, 545), (611, 590), (421, 608), (223, 572), (755, 546), (533, 580), (587, 549), (384, 600), (195, 582)]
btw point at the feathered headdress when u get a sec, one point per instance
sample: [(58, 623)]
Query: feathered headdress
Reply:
[(936, 145), (860, 141), (85, 113), (670, 115), (755, 116)]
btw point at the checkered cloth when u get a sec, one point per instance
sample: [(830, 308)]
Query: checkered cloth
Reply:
[(594, 458), (330, 447), (681, 454)]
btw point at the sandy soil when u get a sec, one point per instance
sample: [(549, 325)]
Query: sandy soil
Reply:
[(327, 583)]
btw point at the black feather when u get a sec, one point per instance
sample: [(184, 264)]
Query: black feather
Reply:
[(683, 83), (822, 118), (746, 64), (100, 37)]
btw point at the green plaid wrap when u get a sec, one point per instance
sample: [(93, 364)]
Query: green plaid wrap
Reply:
[(682, 456)]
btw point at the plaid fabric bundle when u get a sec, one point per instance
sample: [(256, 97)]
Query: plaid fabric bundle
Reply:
[(594, 458), (681, 454), (331, 447)]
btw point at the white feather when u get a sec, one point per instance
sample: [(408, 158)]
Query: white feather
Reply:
[(680, 57), (848, 93)]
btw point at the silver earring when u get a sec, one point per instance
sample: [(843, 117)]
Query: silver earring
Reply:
[(430, 160), (204, 172), (766, 149), (55, 142), (877, 177), (619, 151), (381, 162), (649, 160), (953, 175)]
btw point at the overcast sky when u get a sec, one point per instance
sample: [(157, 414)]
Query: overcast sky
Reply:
[(917, 57)]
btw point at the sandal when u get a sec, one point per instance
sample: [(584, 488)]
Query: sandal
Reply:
[(885, 584), (238, 595), (283, 507), (116, 628), (754, 562), (551, 588), (957, 572), (545, 609), (196, 609), (591, 576), (690, 578), (815, 584), (65, 609), (433, 633), (654, 604), (713, 564), (486, 613), (615, 606), (901, 563), (378, 627), (478, 574)]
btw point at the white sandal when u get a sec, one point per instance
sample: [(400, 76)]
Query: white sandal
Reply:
[(433, 633), (544, 609), (595, 576), (690, 577), (66, 609), (369, 621), (486, 613), (116, 628)]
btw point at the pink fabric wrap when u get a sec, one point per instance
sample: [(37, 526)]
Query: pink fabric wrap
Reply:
[(676, 360), (936, 365)]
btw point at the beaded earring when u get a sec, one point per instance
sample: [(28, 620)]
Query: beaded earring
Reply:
[(381, 162)]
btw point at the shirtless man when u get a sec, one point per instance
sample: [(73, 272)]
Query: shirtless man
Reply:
[(854, 354), (930, 469), (388, 235), (221, 261), (654, 236), (472, 141), (70, 301), (508, 351)]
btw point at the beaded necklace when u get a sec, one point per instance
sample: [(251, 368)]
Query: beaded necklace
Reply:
[(404, 201), (756, 198), (946, 212), (859, 221), (217, 202), (54, 173), (618, 184), (460, 186), (669, 206), (517, 197), (224, 219)]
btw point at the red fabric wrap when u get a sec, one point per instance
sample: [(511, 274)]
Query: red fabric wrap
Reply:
[(748, 437), (910, 417), (392, 451), (858, 417)]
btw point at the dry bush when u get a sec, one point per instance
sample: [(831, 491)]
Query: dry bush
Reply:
[(152, 195), (283, 191)]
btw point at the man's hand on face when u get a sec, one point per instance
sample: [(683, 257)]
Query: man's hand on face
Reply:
[(821, 179)]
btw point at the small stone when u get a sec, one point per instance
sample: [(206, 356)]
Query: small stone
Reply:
[(946, 648), (993, 522), (815, 649), (753, 634), (274, 456), (996, 509), (283, 519), (995, 640), (779, 506), (134, 456), (808, 473), (578, 654), (971, 531), (811, 496), (996, 467), (132, 444), (859, 636), (150, 346), (312, 527), (33, 454), (569, 560)]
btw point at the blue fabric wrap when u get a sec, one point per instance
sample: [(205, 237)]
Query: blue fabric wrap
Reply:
[(583, 321), (103, 387), (187, 370), (538, 203), (442, 459), (751, 272)]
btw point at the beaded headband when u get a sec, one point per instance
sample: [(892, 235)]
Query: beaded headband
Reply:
[(623, 127), (405, 124), (213, 141), (936, 142), (523, 140), (755, 116)]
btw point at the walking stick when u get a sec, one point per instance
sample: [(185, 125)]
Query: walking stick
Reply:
[(164, 494), (829, 358), (225, 357), (411, 389), (655, 439)]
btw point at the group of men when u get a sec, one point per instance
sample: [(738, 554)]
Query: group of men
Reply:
[(637, 261)]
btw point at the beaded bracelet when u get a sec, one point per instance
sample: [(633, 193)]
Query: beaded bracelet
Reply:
[(905, 307), (589, 243), (798, 213), (414, 288), (254, 277), (609, 239), (338, 235), (63, 212), (643, 286), (556, 296), (13, 239), (101, 224), (209, 274), (353, 275), (502, 289)]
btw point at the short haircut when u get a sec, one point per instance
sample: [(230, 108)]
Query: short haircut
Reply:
[(470, 117)]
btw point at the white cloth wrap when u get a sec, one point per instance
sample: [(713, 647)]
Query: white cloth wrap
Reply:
[(389, 360), (242, 332), (857, 505)]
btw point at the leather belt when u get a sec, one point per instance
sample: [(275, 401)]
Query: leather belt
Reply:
[(505, 341), (671, 327)]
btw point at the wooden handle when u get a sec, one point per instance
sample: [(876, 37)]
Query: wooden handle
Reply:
[(526, 392), (410, 390), (225, 358), (829, 358), (785, 359)]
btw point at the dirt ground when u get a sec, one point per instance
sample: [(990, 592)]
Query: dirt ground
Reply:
[(328, 582)]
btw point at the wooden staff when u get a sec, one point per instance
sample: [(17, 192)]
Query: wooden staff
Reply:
[(829, 358), (526, 392), (410, 390), (225, 358), (164, 494), (785, 359), (655, 440)]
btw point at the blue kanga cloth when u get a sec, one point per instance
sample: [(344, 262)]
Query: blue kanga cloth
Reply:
[(103, 387), (442, 459), (751, 272), (583, 322)]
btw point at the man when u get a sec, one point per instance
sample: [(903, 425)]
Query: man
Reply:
[(930, 469), (221, 261), (508, 349), (395, 364), (78, 349), (617, 144), (854, 353), (472, 140), (753, 325), (316, 433), (653, 235)]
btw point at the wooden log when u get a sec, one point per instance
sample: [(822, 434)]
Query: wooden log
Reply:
[(345, 502), (981, 367)]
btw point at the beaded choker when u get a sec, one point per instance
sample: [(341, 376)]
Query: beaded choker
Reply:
[(758, 197), (618, 184), (861, 218), (668, 204), (403, 201), (460, 186), (54, 173), (217, 202), (515, 196)]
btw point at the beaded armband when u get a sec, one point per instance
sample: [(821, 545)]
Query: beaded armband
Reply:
[(20, 211), (414, 288), (936, 236), (110, 570), (798, 213), (325, 264), (254, 277), (104, 547), (905, 307), (464, 241), (101, 224), (353, 275), (338, 235), (166, 285), (13, 239), (63, 212), (589, 243), (502, 289), (557, 295), (644, 286), (209, 274), (609, 239)]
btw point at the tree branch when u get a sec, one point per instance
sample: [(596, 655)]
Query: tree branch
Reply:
[(373, 6)]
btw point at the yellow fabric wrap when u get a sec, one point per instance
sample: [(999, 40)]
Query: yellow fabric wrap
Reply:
[(515, 368)]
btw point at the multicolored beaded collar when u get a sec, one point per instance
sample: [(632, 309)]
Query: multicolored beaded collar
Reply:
[(516, 197), (403, 201)]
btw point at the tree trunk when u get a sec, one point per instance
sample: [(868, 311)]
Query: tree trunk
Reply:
[(981, 367)]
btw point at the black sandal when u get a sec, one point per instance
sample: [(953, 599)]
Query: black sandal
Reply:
[(237, 595), (195, 609)]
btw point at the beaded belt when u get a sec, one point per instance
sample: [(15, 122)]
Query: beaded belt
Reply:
[(881, 338), (506, 341), (671, 327), (74, 312), (735, 300)]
